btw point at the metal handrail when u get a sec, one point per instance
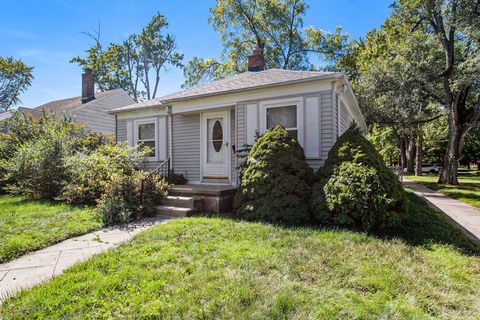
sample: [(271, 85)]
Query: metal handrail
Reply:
[(158, 169)]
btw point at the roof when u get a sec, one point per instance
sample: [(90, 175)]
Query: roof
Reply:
[(241, 82), (5, 115), (65, 105)]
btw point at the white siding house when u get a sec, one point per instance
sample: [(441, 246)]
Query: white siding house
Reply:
[(200, 128)]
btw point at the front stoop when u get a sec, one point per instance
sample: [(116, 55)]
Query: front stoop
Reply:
[(180, 206), (184, 200)]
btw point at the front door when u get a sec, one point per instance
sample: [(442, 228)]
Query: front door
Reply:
[(215, 146)]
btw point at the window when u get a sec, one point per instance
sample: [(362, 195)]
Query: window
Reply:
[(284, 116), (146, 136)]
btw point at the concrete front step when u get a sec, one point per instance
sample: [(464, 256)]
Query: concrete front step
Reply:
[(194, 203), (174, 211)]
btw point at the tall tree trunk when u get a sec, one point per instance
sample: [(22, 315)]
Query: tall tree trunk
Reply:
[(456, 140), (410, 156), (403, 151), (460, 121), (419, 158)]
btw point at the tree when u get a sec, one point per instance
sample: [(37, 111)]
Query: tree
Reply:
[(275, 27), (455, 23), (15, 78), (134, 65), (471, 150), (393, 74)]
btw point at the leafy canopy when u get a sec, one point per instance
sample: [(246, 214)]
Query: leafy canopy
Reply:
[(275, 26), (135, 64), (15, 78)]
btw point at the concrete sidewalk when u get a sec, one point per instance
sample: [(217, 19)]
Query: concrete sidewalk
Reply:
[(43, 264), (461, 213)]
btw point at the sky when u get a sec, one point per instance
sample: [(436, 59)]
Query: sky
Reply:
[(47, 34)]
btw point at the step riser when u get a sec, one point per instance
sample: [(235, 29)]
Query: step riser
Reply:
[(173, 213), (179, 203)]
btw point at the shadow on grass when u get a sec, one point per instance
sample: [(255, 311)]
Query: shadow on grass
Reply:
[(423, 226), (51, 203), (420, 226)]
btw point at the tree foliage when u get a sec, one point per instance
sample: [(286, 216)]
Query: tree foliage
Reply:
[(276, 27), (455, 26), (134, 65), (15, 78), (471, 150)]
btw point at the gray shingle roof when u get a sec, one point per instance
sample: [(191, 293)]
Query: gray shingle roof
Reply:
[(240, 82), (64, 105)]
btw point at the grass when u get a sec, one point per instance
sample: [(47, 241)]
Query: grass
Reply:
[(468, 191), (206, 268), (30, 225)]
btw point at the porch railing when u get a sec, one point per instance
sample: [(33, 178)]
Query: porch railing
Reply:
[(163, 169)]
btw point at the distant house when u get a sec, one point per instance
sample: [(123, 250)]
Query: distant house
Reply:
[(90, 108)]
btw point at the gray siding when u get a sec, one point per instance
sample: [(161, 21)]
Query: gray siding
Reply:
[(121, 130), (186, 145), (95, 116), (345, 118), (328, 126)]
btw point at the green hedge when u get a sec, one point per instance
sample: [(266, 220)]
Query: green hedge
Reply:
[(275, 182), (353, 147)]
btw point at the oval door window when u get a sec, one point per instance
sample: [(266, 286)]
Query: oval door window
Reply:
[(217, 136)]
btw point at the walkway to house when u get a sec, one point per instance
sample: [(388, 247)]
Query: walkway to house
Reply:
[(43, 264), (461, 213)]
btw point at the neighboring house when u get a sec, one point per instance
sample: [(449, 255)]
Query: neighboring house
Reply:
[(90, 108), (200, 128)]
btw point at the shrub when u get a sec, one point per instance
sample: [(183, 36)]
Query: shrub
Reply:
[(91, 173), (37, 168), (176, 178), (22, 138), (353, 147), (355, 197), (275, 183), (130, 197)]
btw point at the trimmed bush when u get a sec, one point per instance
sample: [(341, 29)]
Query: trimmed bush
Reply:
[(91, 173), (275, 183), (353, 147), (355, 197), (130, 197)]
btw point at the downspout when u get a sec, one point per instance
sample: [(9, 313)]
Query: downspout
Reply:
[(170, 135)]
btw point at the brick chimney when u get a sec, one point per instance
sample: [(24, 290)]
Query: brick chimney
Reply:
[(256, 61), (88, 86)]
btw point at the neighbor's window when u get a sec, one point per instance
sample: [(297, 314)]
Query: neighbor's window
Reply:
[(146, 136), (284, 116)]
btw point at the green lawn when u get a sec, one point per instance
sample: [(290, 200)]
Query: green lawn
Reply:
[(30, 225), (468, 191), (219, 268)]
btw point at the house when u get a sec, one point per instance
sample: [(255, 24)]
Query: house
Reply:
[(199, 129), (90, 108)]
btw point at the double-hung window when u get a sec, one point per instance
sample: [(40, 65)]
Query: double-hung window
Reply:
[(146, 136), (286, 116)]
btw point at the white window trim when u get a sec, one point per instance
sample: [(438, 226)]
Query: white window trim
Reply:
[(136, 123), (296, 101)]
